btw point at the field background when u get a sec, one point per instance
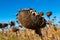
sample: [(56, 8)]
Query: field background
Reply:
[(49, 33)]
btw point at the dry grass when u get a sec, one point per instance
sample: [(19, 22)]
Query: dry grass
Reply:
[(49, 33)]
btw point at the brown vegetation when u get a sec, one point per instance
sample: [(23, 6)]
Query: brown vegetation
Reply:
[(48, 33), (30, 19), (34, 23), (41, 13), (49, 14), (11, 23), (3, 25)]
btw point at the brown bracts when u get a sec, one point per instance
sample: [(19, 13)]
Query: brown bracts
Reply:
[(3, 25), (30, 19), (49, 14), (41, 13), (14, 29), (12, 23)]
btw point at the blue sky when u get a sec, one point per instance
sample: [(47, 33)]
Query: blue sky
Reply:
[(8, 8)]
